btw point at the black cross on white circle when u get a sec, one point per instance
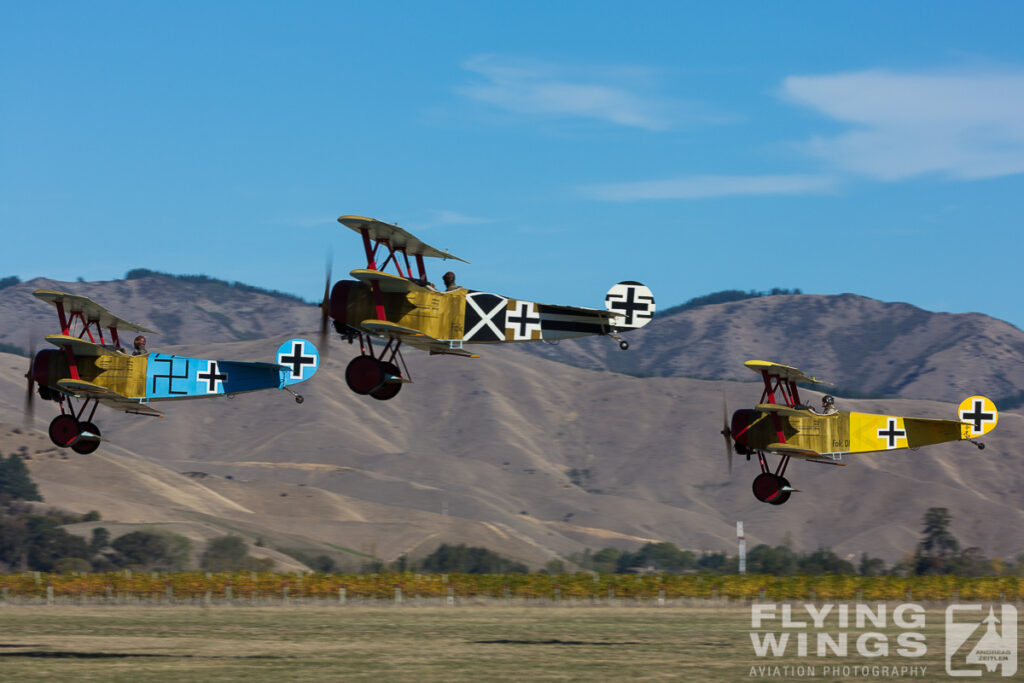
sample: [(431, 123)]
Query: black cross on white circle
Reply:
[(297, 359), (523, 320), (891, 433), (979, 417), (211, 377), (629, 305)]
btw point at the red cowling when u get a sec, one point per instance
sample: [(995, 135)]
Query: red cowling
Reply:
[(343, 294), (741, 421), (44, 366)]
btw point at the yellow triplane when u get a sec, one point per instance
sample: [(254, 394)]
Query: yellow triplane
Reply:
[(405, 308), (783, 425)]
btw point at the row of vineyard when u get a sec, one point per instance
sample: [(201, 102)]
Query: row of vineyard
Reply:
[(270, 585)]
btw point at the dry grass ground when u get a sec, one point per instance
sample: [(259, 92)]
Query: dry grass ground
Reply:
[(402, 644)]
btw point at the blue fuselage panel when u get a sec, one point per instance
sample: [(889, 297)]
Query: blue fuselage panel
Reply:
[(169, 376)]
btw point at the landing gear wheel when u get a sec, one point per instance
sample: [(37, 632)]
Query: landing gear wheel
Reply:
[(63, 430), (624, 345), (86, 446), (784, 496), (364, 374), (768, 488), (298, 398), (388, 390)]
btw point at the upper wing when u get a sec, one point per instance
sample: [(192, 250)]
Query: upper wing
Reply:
[(394, 236), (109, 398), (790, 374), (90, 310)]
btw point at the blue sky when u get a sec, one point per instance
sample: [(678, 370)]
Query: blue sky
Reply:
[(874, 148)]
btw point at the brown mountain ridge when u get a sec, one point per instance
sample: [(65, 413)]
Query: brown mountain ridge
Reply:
[(533, 458)]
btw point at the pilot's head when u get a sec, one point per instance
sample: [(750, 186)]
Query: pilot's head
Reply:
[(140, 342), (448, 279), (828, 402)]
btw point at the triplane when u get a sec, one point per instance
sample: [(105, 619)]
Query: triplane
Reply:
[(781, 424), (87, 369), (403, 308)]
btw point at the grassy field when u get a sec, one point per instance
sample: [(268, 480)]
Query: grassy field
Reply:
[(408, 643)]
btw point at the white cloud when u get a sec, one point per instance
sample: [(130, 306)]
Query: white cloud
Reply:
[(604, 94), (444, 217), (963, 125), (707, 186)]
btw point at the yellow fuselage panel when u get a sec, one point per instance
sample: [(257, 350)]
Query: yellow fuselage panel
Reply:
[(844, 432), (125, 375), (436, 314)]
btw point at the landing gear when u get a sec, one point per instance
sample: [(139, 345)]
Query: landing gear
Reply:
[(85, 446), (387, 390), (367, 374), (63, 430), (364, 374), (66, 429), (771, 488)]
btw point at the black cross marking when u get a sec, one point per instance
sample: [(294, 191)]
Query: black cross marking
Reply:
[(629, 305), (297, 360), (524, 318), (211, 376), (979, 416), (170, 376), (892, 433)]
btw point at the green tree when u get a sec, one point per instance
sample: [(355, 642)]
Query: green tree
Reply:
[(152, 551), (824, 561), (870, 566), (100, 540), (225, 553), (938, 547), (469, 560), (15, 482)]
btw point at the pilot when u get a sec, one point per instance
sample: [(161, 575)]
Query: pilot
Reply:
[(828, 405), (449, 281), (140, 346)]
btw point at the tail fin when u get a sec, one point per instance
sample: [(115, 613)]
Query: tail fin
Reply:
[(632, 303), (298, 359), (979, 416)]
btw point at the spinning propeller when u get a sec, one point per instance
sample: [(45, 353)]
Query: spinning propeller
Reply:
[(325, 310), (28, 414), (727, 433)]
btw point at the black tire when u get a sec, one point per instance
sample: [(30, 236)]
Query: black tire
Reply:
[(388, 390), (364, 374), (86, 446), (63, 430)]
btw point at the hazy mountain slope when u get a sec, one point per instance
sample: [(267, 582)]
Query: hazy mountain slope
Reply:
[(180, 311), (867, 346), (531, 458)]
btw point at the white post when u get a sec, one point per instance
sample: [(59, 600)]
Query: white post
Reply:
[(743, 547)]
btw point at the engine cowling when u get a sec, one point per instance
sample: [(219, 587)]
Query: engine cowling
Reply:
[(740, 427), (347, 298), (48, 367)]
